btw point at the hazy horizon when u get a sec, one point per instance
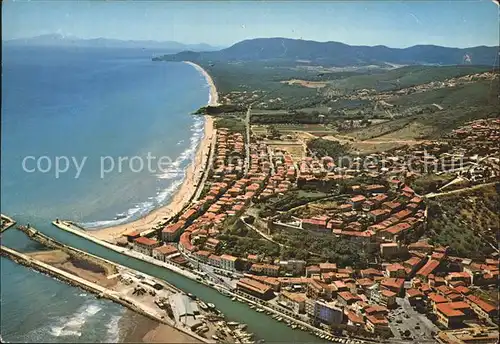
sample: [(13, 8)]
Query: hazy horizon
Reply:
[(395, 24), (222, 47)]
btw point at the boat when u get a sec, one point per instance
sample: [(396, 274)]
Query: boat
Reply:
[(233, 298), (233, 323), (203, 305), (280, 319), (211, 305), (294, 326), (214, 337), (252, 306), (268, 313), (260, 310)]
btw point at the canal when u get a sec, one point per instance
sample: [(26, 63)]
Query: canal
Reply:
[(263, 326)]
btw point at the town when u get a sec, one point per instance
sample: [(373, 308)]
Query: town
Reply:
[(404, 286)]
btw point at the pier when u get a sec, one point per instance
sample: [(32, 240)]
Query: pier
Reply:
[(123, 293), (70, 227), (7, 222)]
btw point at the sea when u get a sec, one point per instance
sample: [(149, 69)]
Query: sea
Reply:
[(76, 125)]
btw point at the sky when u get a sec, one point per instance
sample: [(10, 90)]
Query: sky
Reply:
[(457, 23)]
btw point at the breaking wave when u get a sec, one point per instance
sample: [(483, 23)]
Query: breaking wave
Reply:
[(72, 325)]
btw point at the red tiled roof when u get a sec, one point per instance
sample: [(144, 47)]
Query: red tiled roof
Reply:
[(166, 249), (445, 309), (413, 292), (428, 268), (485, 306), (436, 298), (146, 241)]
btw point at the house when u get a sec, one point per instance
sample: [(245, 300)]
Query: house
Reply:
[(327, 267), (435, 299), (347, 298), (353, 319), (414, 296), (482, 308), (395, 232), (471, 335), (387, 298), (448, 316), (315, 224), (327, 313), (357, 201), (382, 296), (391, 206), (377, 324), (463, 276), (312, 270), (390, 250), (255, 288), (395, 270), (371, 273), (214, 260), (318, 289), (378, 215), (295, 302), (393, 284), (145, 245), (172, 231), (412, 265), (212, 244), (427, 269), (265, 269), (162, 252), (202, 255), (293, 266), (228, 262), (421, 246)]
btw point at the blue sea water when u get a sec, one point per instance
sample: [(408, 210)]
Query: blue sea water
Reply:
[(85, 103)]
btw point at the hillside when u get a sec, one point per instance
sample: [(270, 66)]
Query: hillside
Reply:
[(467, 221), (337, 54)]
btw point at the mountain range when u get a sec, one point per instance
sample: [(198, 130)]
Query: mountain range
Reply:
[(71, 41), (340, 54)]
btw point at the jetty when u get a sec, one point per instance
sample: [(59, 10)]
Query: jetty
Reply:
[(123, 293), (71, 227), (6, 223)]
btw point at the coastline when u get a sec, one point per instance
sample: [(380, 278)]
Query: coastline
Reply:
[(136, 328), (180, 199)]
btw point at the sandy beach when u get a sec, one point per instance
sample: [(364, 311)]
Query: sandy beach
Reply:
[(136, 328), (193, 175)]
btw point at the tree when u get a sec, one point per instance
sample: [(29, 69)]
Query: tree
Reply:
[(273, 132)]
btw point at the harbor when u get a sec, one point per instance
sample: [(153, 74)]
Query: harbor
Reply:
[(263, 326), (137, 291), (253, 304)]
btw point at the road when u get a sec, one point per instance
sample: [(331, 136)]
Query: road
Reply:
[(207, 168), (209, 270), (433, 194), (409, 319), (247, 145)]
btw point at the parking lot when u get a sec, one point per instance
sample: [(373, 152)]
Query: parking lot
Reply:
[(405, 320)]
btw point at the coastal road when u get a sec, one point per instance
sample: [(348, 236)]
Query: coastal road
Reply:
[(208, 167), (209, 270), (247, 146)]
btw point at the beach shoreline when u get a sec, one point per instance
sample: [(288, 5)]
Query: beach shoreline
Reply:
[(181, 198)]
